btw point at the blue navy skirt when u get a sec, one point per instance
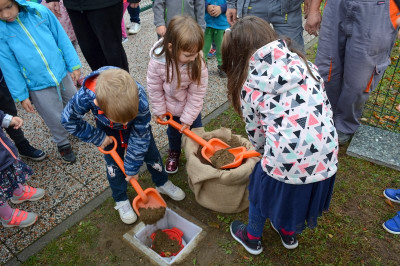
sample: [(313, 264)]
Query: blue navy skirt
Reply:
[(292, 207)]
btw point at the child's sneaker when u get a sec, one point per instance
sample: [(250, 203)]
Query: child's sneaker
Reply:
[(126, 212), (20, 218), (134, 29), (239, 233), (29, 194), (221, 73), (67, 154), (171, 165), (288, 241), (392, 194), (172, 191), (25, 150), (393, 225), (212, 53)]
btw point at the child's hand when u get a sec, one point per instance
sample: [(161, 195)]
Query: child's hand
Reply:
[(184, 126), (75, 75), (107, 141), (161, 30), (16, 122), (210, 8), (128, 177), (216, 11), (55, 8), (27, 105), (161, 117)]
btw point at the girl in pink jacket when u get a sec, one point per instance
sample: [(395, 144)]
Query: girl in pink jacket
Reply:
[(177, 79)]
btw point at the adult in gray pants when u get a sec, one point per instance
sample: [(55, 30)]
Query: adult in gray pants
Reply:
[(284, 15), (355, 42)]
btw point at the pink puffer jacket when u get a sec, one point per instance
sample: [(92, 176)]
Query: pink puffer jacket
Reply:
[(185, 102)]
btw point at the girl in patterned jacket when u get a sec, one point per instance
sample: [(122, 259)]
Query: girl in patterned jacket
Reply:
[(288, 117), (177, 79), (13, 174)]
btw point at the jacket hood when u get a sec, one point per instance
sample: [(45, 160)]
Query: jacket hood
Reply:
[(275, 69), (160, 59), (94, 75)]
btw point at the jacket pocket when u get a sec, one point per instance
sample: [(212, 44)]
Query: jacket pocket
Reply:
[(376, 76)]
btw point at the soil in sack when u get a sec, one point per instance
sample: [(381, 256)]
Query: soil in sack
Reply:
[(221, 157), (151, 215)]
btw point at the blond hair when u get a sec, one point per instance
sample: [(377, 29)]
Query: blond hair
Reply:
[(185, 35), (117, 95)]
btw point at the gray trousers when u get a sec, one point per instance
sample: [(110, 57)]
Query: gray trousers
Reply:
[(289, 24), (49, 106), (355, 42)]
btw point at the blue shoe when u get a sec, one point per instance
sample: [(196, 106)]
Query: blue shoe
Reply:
[(392, 194), (393, 225), (239, 233), (212, 53)]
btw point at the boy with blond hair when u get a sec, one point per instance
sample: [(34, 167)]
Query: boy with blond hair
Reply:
[(121, 109)]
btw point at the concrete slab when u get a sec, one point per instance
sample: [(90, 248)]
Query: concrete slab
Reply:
[(376, 145)]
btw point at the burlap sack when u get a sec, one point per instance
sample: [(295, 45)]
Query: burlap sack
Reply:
[(219, 190)]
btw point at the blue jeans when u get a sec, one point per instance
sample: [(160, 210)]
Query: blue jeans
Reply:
[(134, 14), (116, 178), (175, 137)]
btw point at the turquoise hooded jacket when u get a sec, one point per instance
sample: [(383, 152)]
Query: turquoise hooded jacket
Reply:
[(35, 51)]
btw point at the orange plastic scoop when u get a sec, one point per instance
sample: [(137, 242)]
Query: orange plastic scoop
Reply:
[(149, 198), (213, 145)]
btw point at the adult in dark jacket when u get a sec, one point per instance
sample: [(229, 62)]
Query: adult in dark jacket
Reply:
[(97, 25)]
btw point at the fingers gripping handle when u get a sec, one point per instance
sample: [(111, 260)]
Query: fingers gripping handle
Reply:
[(120, 163)]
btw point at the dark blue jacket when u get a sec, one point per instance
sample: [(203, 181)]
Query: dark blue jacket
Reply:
[(139, 128), (6, 158)]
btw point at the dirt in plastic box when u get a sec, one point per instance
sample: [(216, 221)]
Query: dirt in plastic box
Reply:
[(151, 215), (221, 159), (162, 243)]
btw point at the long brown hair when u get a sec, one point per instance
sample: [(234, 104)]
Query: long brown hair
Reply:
[(185, 35), (240, 42)]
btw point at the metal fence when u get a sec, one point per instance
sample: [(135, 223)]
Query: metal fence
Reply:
[(145, 4), (383, 106)]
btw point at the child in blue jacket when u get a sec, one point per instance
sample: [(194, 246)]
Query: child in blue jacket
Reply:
[(121, 109), (35, 57), (216, 25)]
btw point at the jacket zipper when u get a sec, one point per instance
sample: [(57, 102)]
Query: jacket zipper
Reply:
[(39, 51), (8, 148)]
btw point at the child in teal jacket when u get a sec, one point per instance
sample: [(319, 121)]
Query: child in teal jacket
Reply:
[(36, 56)]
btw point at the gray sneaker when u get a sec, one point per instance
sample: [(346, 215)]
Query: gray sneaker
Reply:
[(30, 194), (20, 218)]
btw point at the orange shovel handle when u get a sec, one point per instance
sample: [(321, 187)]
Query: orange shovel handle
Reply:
[(250, 154), (120, 163), (186, 131)]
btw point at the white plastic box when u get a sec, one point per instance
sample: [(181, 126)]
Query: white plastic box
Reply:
[(139, 237)]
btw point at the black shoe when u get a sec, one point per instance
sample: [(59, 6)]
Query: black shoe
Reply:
[(343, 138), (25, 150), (221, 73), (288, 241), (239, 233), (67, 154)]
